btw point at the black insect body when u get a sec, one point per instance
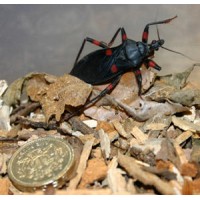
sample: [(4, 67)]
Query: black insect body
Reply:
[(108, 64)]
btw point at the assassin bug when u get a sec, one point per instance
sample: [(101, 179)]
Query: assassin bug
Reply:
[(108, 64)]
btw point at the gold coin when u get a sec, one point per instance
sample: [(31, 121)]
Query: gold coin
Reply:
[(41, 162)]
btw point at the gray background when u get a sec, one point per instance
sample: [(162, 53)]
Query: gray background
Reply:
[(46, 38)]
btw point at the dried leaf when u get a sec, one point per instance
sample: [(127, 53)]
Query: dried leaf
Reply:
[(187, 97), (148, 109), (66, 91), (177, 80), (170, 87), (37, 86), (13, 94), (160, 92), (129, 86), (56, 93), (101, 113)]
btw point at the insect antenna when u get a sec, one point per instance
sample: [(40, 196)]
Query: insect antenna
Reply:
[(178, 53), (158, 34)]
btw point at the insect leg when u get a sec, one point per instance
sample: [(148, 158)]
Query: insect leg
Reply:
[(93, 41), (150, 63), (100, 43), (106, 90), (123, 35), (146, 29), (138, 77), (102, 93)]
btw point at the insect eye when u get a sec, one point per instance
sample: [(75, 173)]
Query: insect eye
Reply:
[(153, 41), (161, 42)]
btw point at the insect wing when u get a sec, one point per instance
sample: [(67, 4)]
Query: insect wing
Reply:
[(95, 68)]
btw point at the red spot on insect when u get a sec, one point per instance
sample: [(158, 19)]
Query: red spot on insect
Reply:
[(145, 35), (152, 64), (96, 42), (114, 68), (124, 37), (110, 87), (138, 72), (108, 52)]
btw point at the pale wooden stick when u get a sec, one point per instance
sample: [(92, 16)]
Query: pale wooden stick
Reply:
[(82, 165), (139, 135), (183, 137)]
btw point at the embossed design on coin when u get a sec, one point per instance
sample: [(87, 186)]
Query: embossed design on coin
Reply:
[(41, 162)]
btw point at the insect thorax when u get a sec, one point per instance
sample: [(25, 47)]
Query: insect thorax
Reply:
[(136, 52)]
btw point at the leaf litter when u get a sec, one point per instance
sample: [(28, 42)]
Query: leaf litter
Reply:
[(123, 144)]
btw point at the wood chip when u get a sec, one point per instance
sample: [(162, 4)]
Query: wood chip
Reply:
[(195, 154), (116, 181), (104, 191), (118, 126), (91, 175), (180, 155), (185, 125), (123, 143), (3, 86), (139, 135), (183, 137), (3, 160), (191, 187), (157, 123), (91, 123), (78, 125), (82, 165), (146, 178), (189, 169), (4, 186), (105, 143)]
